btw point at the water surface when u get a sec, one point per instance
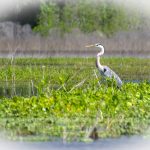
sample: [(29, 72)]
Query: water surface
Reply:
[(123, 143)]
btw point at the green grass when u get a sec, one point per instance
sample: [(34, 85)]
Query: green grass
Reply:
[(70, 103), (26, 69)]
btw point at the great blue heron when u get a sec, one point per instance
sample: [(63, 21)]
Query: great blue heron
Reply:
[(104, 70)]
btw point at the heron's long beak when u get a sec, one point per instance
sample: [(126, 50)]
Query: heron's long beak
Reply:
[(89, 45)]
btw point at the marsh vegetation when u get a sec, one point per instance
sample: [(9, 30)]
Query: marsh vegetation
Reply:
[(44, 99), (66, 100)]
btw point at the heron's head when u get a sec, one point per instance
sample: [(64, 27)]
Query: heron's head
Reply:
[(98, 45), (94, 45)]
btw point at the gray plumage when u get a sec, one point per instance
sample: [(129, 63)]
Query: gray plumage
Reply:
[(107, 72)]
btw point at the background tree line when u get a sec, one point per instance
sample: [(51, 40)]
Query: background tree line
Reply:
[(89, 16)]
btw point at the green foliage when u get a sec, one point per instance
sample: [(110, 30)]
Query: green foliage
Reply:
[(68, 16), (113, 18), (48, 18), (88, 16), (70, 101), (117, 112)]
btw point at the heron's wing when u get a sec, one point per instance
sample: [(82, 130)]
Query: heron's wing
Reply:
[(111, 74), (108, 72)]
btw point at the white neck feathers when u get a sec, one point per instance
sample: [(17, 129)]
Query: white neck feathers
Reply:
[(98, 57), (102, 50)]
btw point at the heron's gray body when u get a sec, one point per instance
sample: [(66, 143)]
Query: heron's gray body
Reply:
[(107, 72)]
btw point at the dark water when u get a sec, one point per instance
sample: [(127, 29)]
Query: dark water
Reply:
[(10, 89), (123, 143)]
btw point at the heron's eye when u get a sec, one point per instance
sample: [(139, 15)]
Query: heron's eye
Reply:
[(105, 70)]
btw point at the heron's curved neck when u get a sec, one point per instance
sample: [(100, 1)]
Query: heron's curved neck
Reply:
[(98, 58)]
